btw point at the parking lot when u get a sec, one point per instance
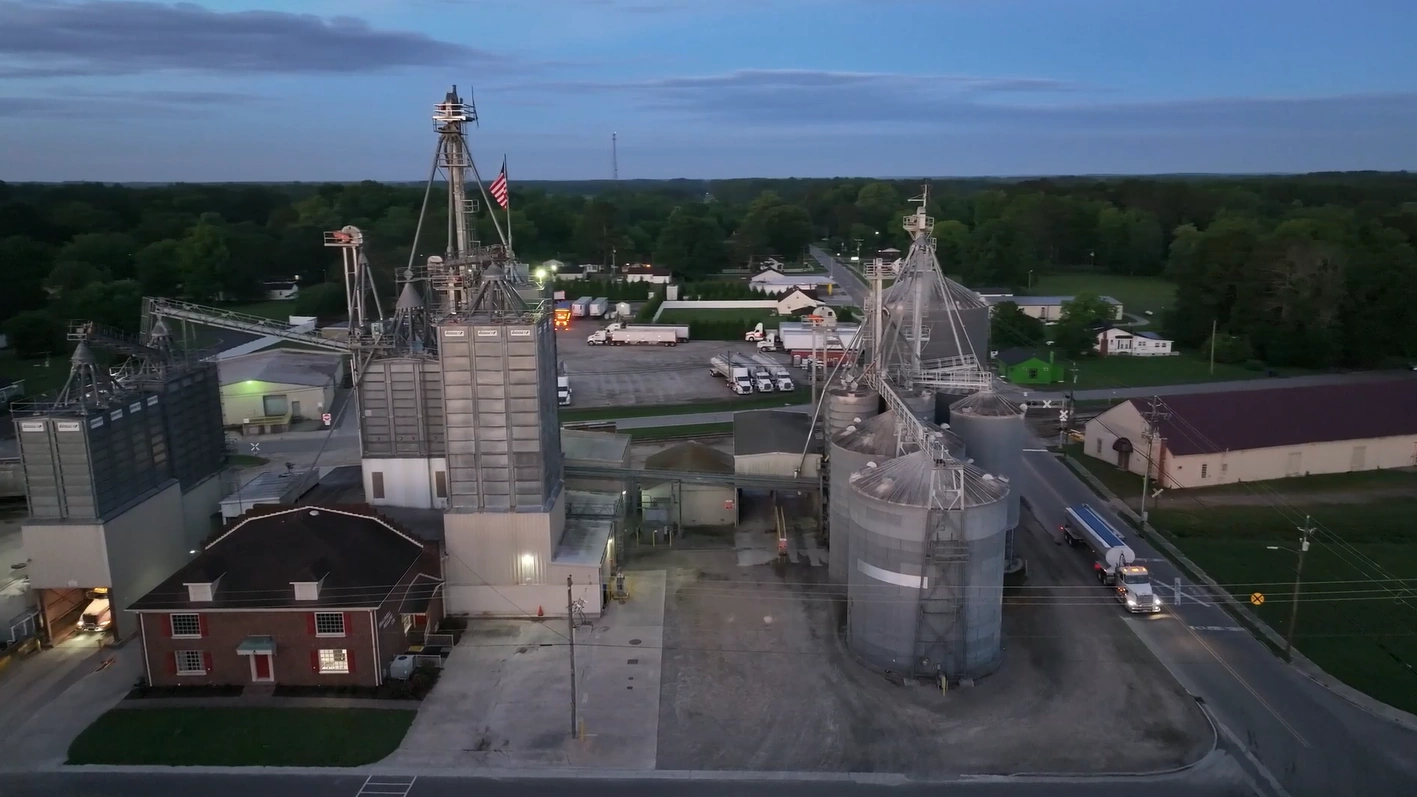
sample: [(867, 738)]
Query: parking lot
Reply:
[(607, 376), (756, 678)]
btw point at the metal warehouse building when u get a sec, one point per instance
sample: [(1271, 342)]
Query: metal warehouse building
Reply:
[(272, 388), (1205, 439), (775, 443), (687, 503)]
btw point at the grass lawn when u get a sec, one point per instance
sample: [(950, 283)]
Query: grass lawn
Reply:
[(274, 737), (757, 401), (1096, 373), (1137, 294), (41, 374), (1354, 621)]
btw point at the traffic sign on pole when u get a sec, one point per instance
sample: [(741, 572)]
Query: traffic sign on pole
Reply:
[(1257, 598), (325, 418)]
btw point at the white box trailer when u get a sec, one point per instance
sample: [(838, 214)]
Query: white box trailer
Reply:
[(633, 336), (581, 307), (598, 307)]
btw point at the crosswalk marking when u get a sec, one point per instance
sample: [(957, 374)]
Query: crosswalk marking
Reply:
[(386, 786)]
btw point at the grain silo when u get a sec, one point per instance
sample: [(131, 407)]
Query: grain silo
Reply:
[(871, 440), (925, 589), (994, 429), (850, 404), (921, 402), (954, 319)]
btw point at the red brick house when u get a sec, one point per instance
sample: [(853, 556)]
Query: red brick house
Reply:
[(296, 596)]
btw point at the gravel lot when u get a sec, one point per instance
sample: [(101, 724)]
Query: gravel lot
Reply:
[(755, 677)]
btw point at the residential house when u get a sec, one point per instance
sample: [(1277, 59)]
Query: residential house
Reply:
[(643, 272), (1117, 341), (795, 300), (293, 595), (772, 281), (1050, 308), (285, 290), (1026, 367), (1204, 439)]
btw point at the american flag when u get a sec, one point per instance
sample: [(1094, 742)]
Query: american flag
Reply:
[(498, 189)]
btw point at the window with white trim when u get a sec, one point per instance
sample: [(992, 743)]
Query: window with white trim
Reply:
[(186, 626), (190, 662), (334, 661), (329, 623), (1205, 470)]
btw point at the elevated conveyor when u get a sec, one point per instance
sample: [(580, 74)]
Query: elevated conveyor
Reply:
[(157, 307)]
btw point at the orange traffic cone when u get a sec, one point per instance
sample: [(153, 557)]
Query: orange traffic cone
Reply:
[(539, 612)]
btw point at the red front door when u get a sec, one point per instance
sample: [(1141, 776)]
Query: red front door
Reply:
[(263, 667)]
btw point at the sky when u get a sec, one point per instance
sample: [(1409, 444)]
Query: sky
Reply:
[(314, 90)]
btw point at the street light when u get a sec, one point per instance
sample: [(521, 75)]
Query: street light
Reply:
[(1304, 531)]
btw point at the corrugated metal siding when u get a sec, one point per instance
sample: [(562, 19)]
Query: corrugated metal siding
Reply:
[(778, 464), (401, 404)]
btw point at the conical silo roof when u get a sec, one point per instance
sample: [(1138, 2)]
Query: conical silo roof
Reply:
[(986, 403), (83, 355), (910, 480), (409, 299), (877, 436)]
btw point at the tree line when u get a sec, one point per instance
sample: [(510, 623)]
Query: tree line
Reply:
[(1312, 270)]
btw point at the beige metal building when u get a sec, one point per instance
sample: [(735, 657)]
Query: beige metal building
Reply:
[(775, 443), (689, 504), (281, 385), (1205, 439), (595, 449)]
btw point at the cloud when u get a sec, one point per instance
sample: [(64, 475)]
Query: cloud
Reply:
[(767, 100), (51, 38), (83, 104)]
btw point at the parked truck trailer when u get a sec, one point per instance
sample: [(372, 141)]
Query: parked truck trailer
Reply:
[(782, 378), (735, 375)]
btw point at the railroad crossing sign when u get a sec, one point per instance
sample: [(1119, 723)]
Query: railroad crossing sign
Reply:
[(325, 418), (1257, 598), (255, 448), (1062, 416)]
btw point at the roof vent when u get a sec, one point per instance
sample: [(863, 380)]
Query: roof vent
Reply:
[(314, 512)]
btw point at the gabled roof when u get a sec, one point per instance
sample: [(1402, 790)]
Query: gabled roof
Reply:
[(773, 432), (1150, 335), (691, 455), (281, 367), (587, 446), (358, 558), (1018, 356), (1237, 420)]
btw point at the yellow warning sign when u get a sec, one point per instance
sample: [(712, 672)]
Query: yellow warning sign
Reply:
[(1257, 598)]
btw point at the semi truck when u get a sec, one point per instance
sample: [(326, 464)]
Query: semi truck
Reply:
[(681, 331), (97, 616), (563, 390), (598, 307), (782, 378), (736, 376), (762, 378), (581, 306), (562, 317), (1116, 563), (614, 335)]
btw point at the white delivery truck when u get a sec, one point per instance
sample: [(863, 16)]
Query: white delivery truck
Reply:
[(770, 341), (734, 375), (563, 391), (598, 307), (580, 307), (782, 378), (681, 331), (1116, 564), (614, 335)]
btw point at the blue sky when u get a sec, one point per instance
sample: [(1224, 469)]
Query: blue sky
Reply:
[(343, 90)]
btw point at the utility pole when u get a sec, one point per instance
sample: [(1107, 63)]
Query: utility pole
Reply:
[(1213, 324), (1305, 531), (571, 627), (1155, 413)]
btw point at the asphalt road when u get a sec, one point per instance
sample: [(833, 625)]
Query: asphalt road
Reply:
[(849, 279), (281, 785), (1307, 740)]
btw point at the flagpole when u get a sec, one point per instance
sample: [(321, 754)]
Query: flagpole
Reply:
[(506, 177)]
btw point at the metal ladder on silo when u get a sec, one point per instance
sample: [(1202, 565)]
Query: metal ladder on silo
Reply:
[(942, 602)]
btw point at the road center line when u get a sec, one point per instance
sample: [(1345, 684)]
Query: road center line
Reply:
[(1246, 684)]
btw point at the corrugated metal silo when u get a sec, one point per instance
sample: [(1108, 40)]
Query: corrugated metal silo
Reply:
[(920, 401), (850, 405), (925, 589), (994, 429), (871, 440), (970, 314)]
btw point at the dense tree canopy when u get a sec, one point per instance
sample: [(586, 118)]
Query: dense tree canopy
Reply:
[(1314, 270)]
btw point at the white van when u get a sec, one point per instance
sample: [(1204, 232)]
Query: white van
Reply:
[(97, 616)]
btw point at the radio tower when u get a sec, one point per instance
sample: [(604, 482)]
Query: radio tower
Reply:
[(614, 157)]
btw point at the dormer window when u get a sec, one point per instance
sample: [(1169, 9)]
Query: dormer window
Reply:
[(202, 591), (307, 590)]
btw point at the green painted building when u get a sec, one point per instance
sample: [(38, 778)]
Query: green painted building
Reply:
[(1028, 367)]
